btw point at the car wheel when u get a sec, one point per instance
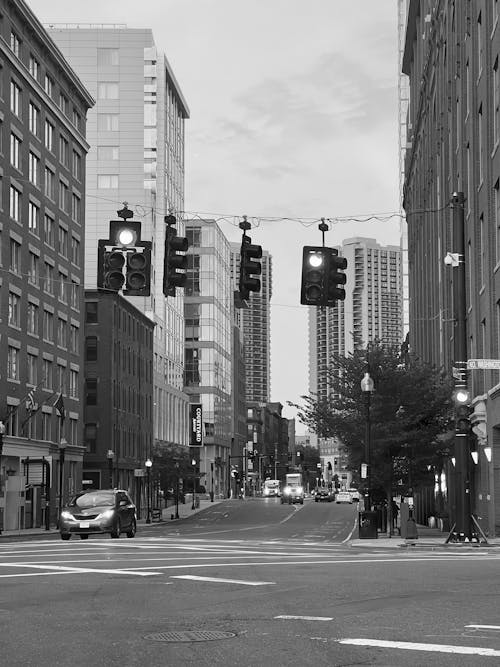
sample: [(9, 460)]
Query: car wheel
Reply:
[(65, 536), (115, 533), (290, 501), (84, 536), (133, 529), (316, 500), (301, 502)]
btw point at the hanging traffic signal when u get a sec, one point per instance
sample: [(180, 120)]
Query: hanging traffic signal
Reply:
[(461, 399), (249, 267), (138, 278), (321, 274), (174, 264), (110, 264), (336, 277)]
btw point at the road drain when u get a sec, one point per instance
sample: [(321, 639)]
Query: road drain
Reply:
[(189, 636)]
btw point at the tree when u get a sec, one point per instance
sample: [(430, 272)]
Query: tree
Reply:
[(410, 412)]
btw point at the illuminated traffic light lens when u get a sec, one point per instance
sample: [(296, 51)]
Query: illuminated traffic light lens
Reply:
[(126, 237), (462, 396), (315, 259)]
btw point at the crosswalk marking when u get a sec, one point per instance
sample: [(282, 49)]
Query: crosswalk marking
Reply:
[(416, 646), (305, 618), (224, 581)]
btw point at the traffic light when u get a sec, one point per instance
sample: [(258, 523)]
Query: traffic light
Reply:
[(110, 264), (174, 264), (138, 279), (461, 398), (249, 267), (321, 274)]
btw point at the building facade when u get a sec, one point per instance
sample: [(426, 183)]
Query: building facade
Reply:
[(256, 328), (372, 309), (451, 57), (136, 132), (208, 309), (118, 398), (43, 109)]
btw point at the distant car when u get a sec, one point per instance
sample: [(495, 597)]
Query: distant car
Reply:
[(343, 497), (104, 511), (323, 494), (293, 493), (354, 494)]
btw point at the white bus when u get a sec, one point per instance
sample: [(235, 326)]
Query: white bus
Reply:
[(271, 488)]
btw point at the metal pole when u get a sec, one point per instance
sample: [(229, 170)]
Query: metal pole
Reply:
[(148, 491), (2, 429), (368, 450), (275, 461), (212, 478), (177, 495), (462, 491), (110, 471), (61, 469)]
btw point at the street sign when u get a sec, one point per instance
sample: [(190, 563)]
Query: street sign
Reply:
[(139, 472), (364, 471), (483, 364)]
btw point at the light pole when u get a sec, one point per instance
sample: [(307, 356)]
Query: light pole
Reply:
[(148, 465), (62, 451), (177, 489), (110, 456), (367, 389), (2, 433), (193, 463)]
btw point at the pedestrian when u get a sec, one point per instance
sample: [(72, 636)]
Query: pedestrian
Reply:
[(395, 512)]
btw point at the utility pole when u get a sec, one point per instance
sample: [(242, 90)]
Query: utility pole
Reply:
[(462, 529)]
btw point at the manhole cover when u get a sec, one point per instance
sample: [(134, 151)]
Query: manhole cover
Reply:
[(189, 636)]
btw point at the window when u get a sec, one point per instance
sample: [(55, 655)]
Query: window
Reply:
[(34, 67), (91, 437), (34, 169), (63, 287), (107, 181), (73, 334), (63, 196), (49, 183), (33, 319), (48, 230), (91, 391), (34, 119), (91, 348), (75, 251), (62, 333), (76, 208), (15, 44), (48, 326), (480, 142), (32, 369), (48, 85), (49, 278), (107, 56), (15, 152), (14, 310), (61, 378), (13, 363), (480, 54), (15, 256), (63, 103), (63, 241), (496, 103), (15, 203), (46, 426), (108, 153), (107, 90), (49, 136), (91, 312), (15, 98), (77, 166), (73, 383), (482, 251), (64, 151), (77, 119), (48, 380), (34, 218), (34, 270), (107, 122)]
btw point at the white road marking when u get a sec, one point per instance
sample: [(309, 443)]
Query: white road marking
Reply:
[(77, 570), (352, 531), (224, 581), (415, 646), (484, 627), (306, 618)]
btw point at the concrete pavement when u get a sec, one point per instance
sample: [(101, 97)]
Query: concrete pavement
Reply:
[(428, 538)]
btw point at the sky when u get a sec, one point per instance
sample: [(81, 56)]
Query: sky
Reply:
[(293, 117)]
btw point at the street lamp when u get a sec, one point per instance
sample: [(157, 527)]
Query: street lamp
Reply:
[(110, 456), (148, 465), (193, 463), (367, 389), (177, 489), (62, 451), (2, 433)]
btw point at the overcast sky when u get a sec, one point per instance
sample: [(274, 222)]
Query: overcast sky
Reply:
[(294, 115)]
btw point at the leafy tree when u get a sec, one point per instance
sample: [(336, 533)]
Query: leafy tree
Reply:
[(410, 411)]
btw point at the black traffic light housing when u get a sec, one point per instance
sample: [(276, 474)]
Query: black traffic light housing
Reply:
[(174, 264), (321, 275), (249, 267), (123, 260), (463, 410)]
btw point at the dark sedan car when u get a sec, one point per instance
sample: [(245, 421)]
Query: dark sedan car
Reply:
[(323, 494), (105, 511)]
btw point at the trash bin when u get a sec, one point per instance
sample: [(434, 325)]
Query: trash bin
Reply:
[(368, 525)]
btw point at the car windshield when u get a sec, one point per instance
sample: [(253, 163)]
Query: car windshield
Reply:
[(95, 499)]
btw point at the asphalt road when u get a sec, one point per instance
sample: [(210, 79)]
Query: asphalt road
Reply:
[(246, 583)]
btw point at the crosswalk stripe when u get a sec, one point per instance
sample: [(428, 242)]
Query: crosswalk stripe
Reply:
[(224, 581), (416, 646)]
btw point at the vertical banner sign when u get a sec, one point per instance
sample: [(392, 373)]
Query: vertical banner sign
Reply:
[(196, 415)]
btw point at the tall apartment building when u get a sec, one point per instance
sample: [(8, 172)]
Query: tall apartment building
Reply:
[(372, 308), (209, 315), (43, 107), (136, 133), (452, 56), (256, 328)]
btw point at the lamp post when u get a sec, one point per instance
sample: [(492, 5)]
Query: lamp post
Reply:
[(110, 456), (193, 463), (367, 389), (62, 451), (177, 489), (148, 465), (2, 433)]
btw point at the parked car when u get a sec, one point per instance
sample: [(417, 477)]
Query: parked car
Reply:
[(343, 497), (104, 511), (323, 494), (354, 494)]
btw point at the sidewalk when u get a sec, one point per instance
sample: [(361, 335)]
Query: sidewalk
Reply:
[(428, 538), (185, 511)]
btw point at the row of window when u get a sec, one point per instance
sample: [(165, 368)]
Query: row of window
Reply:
[(53, 375), (63, 284)]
